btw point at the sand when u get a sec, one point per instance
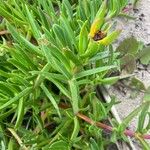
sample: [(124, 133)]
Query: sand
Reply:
[(140, 29)]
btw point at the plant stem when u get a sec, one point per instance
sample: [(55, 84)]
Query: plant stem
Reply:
[(129, 133), (109, 128)]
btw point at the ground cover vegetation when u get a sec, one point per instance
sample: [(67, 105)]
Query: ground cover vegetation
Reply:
[(53, 55)]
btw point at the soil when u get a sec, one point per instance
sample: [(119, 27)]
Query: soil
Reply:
[(140, 29)]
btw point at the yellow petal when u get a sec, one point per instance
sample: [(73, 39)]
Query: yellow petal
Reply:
[(95, 27), (110, 38), (99, 19)]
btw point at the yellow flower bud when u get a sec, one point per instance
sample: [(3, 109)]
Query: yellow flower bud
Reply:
[(99, 20), (95, 27), (109, 38)]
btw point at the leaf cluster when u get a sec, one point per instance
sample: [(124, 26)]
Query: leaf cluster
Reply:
[(44, 78)]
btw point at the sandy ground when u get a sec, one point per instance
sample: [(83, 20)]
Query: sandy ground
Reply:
[(139, 28)]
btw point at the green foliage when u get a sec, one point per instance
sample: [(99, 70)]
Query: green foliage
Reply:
[(144, 55), (128, 63), (49, 69), (147, 95), (128, 46)]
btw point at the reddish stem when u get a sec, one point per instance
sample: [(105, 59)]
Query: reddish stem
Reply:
[(109, 128), (127, 9), (129, 133)]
